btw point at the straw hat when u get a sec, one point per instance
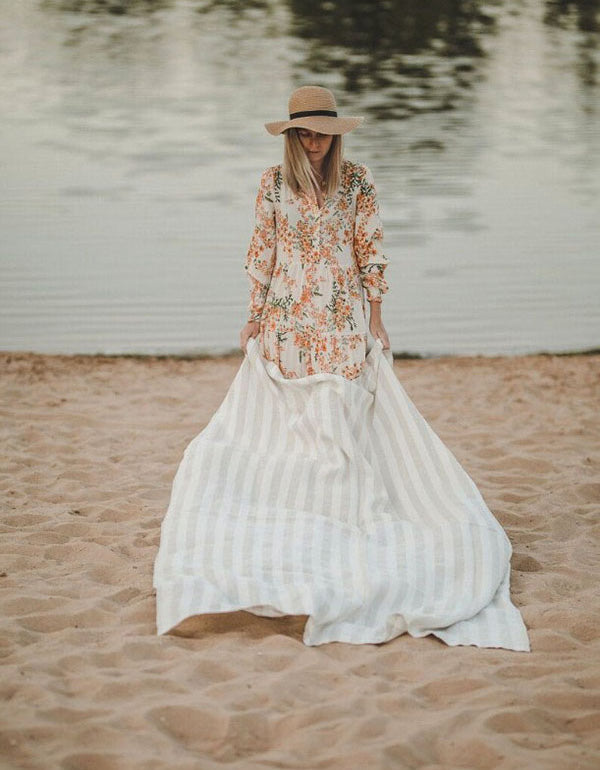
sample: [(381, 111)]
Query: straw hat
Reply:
[(314, 108)]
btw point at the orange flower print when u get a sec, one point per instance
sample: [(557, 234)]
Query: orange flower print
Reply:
[(309, 270)]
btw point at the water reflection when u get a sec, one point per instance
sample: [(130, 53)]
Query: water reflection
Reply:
[(583, 15), (580, 16), (412, 56), (235, 7), (113, 7), (403, 57), (399, 26)]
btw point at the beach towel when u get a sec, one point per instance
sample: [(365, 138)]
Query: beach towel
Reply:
[(333, 498)]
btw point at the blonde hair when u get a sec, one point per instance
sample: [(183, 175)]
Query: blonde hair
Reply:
[(299, 175)]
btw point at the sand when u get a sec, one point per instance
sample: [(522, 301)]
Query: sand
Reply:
[(90, 446)]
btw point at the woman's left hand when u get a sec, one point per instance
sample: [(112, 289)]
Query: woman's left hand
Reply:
[(376, 326)]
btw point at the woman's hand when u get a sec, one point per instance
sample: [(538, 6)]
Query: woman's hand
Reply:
[(376, 326), (251, 329)]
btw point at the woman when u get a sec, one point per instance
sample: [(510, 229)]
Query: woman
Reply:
[(317, 488), (316, 245)]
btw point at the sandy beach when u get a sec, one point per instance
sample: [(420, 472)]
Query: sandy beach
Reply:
[(90, 446)]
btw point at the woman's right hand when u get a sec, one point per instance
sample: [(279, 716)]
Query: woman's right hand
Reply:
[(251, 329)]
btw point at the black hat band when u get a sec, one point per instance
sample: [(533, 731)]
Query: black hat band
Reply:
[(306, 113)]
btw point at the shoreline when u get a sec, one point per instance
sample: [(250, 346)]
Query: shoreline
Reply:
[(237, 353)]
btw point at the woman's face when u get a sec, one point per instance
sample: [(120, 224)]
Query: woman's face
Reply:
[(316, 146)]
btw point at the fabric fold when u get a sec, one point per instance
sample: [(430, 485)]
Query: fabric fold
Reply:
[(333, 498)]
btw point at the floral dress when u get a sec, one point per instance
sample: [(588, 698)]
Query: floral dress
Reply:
[(308, 267)]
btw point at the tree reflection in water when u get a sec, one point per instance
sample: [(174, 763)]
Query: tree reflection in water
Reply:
[(412, 56), (114, 7)]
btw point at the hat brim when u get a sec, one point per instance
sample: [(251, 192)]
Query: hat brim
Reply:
[(321, 123)]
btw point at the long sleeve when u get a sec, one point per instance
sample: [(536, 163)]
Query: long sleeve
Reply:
[(368, 239), (260, 258)]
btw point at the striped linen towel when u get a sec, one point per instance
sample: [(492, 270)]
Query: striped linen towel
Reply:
[(335, 499)]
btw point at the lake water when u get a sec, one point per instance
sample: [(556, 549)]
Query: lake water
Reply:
[(132, 143)]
